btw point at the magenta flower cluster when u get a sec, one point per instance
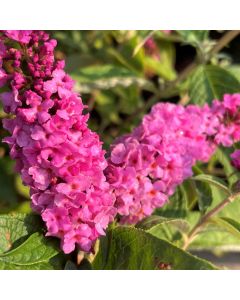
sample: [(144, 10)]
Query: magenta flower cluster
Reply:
[(228, 133), (56, 153), (146, 166)]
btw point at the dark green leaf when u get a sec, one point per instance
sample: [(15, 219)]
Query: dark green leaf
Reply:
[(105, 77), (176, 206), (211, 82), (155, 221), (133, 249), (85, 265), (232, 222), (204, 196), (206, 192), (231, 226), (212, 180), (223, 156), (232, 210), (194, 37), (70, 265), (77, 61), (168, 229), (33, 254), (15, 228), (99, 72), (212, 237), (235, 71)]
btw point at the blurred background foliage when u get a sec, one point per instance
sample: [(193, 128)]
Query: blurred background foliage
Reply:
[(120, 75)]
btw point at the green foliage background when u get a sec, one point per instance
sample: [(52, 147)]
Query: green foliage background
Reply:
[(120, 80)]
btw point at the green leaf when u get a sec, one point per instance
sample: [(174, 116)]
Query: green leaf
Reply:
[(33, 254), (127, 63), (215, 239), (168, 229), (231, 210), (204, 196), (14, 229), (155, 221), (223, 157), (217, 197), (22, 189), (128, 100), (21, 236), (212, 180), (23, 207), (232, 222), (176, 206), (231, 226), (127, 248), (106, 107), (105, 77), (211, 82), (76, 61), (212, 237), (204, 191), (194, 37), (126, 49), (85, 265), (235, 70), (191, 193), (209, 194), (70, 265), (99, 72)]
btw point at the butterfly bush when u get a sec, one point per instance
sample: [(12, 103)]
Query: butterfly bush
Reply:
[(146, 166), (56, 154), (74, 188)]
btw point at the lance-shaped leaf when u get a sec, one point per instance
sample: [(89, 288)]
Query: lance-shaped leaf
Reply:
[(177, 204), (170, 229), (14, 229), (194, 37), (36, 253), (134, 249), (213, 237), (211, 82), (230, 225), (212, 180), (222, 155)]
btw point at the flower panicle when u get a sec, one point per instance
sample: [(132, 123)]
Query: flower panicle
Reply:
[(146, 166), (56, 154)]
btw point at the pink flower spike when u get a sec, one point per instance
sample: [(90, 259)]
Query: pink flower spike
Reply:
[(58, 156)]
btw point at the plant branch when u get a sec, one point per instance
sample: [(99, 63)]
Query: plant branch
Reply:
[(202, 222), (223, 41)]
